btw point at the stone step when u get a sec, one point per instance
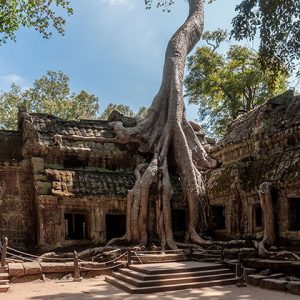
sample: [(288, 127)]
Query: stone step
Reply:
[(171, 281), (4, 288), (168, 270), (3, 270), (162, 288), (143, 276), (4, 282), (4, 276)]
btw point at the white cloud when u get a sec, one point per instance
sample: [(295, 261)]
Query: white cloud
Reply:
[(119, 2), (8, 79)]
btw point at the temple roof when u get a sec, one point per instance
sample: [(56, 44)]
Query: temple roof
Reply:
[(277, 168), (48, 125), (277, 114)]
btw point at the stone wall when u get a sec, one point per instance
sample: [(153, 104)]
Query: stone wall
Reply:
[(17, 213), (260, 146)]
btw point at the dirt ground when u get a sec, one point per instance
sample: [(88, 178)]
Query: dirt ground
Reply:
[(97, 288)]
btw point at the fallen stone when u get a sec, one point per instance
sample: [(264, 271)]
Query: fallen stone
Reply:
[(256, 279), (16, 270), (293, 287), (57, 267), (32, 268), (273, 284)]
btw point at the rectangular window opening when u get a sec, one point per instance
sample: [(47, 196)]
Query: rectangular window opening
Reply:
[(218, 217), (179, 220), (75, 226), (258, 216), (294, 214), (115, 225)]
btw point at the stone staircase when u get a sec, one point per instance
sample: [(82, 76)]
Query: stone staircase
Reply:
[(4, 280), (151, 278)]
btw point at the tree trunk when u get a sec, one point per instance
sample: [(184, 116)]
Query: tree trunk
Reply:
[(269, 218), (164, 130)]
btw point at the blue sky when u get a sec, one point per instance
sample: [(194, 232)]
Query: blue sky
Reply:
[(112, 48)]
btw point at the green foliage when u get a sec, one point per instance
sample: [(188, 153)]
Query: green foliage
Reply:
[(142, 112), (277, 22), (123, 109), (225, 86), (37, 14), (49, 94), (9, 102)]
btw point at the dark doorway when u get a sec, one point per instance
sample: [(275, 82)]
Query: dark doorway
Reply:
[(294, 214), (178, 220), (115, 226), (75, 226), (258, 216), (218, 217)]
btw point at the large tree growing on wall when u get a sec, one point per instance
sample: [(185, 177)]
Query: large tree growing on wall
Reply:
[(166, 133)]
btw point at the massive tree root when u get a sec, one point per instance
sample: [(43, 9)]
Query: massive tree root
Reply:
[(269, 237), (165, 130)]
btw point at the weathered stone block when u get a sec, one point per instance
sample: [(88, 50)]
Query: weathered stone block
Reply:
[(37, 164), (293, 287), (57, 267), (32, 268), (43, 188), (255, 279), (16, 270), (273, 284)]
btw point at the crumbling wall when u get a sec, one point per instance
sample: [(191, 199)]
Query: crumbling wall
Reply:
[(17, 214)]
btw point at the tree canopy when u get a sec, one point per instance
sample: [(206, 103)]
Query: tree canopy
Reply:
[(49, 94), (277, 23), (40, 15), (123, 109), (225, 86)]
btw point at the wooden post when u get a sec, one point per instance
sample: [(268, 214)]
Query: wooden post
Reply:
[(3, 252), (222, 254), (76, 267), (129, 257)]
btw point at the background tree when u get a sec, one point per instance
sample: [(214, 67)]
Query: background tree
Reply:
[(142, 112), (277, 23), (40, 15), (224, 86), (9, 103), (49, 94), (123, 109)]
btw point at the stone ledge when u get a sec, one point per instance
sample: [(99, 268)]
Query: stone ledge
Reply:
[(273, 284)]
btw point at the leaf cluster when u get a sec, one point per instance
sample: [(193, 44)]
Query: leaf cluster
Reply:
[(38, 14), (277, 23)]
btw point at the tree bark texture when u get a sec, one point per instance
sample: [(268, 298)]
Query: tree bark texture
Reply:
[(269, 217), (164, 130)]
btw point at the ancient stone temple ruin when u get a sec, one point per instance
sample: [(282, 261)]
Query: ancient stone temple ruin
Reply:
[(62, 185), (260, 146)]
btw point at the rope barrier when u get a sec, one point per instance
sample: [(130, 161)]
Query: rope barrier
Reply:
[(21, 257), (101, 269), (105, 262), (158, 251), (40, 257), (138, 258)]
